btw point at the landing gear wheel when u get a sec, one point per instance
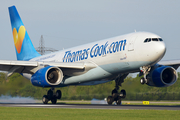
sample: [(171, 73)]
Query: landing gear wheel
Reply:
[(142, 81), (45, 99), (50, 94), (54, 100), (58, 94), (123, 93), (110, 100), (118, 102)]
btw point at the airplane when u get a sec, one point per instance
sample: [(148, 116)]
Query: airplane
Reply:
[(91, 64)]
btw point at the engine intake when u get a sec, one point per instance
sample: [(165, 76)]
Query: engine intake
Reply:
[(168, 75), (54, 75), (163, 76)]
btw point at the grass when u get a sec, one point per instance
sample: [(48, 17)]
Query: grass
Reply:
[(13, 113), (161, 103)]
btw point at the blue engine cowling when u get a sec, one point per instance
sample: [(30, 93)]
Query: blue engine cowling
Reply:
[(47, 77), (162, 76)]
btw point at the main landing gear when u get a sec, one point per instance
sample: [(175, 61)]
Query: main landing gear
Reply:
[(51, 96), (115, 95)]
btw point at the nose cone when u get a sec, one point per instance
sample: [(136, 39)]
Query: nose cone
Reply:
[(158, 51)]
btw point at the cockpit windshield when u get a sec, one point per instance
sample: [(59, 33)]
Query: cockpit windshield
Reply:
[(152, 39)]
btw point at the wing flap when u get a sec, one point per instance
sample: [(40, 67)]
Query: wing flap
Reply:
[(18, 63), (33, 66)]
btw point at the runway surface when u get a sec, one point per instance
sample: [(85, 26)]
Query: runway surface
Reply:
[(91, 106)]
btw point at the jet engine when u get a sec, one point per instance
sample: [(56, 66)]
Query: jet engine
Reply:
[(162, 76), (47, 77)]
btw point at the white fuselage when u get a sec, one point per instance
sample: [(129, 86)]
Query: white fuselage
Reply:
[(118, 55)]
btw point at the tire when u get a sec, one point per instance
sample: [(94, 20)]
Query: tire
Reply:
[(118, 102), (45, 99), (50, 94), (58, 94), (110, 100), (54, 100), (123, 93), (142, 81)]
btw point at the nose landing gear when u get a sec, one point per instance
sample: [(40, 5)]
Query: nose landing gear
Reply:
[(51, 96), (144, 71)]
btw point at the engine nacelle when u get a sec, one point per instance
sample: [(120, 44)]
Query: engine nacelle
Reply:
[(47, 77), (162, 76)]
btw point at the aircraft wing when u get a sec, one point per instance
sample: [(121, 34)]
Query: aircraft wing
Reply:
[(32, 66), (174, 63)]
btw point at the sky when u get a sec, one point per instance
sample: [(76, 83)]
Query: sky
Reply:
[(68, 23)]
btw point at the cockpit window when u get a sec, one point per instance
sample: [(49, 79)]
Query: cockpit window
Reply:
[(149, 39), (152, 39), (146, 40), (160, 39), (155, 39)]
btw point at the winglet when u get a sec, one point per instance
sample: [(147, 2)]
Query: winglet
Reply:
[(23, 45)]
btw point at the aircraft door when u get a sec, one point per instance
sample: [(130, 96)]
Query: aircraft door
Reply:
[(131, 43)]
